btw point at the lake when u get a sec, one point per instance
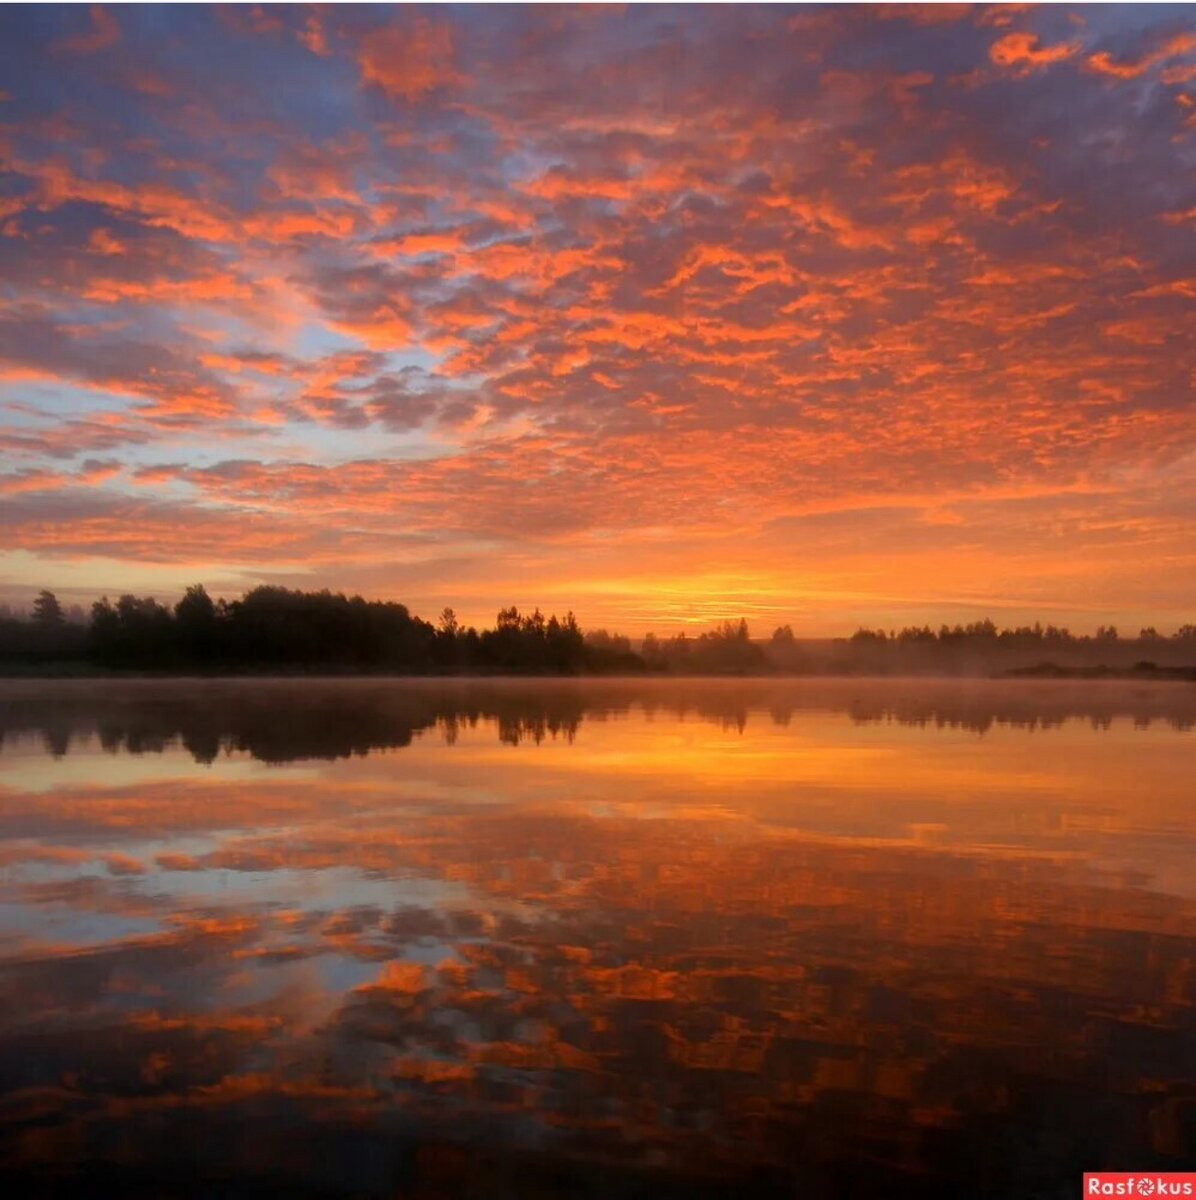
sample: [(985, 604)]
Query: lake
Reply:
[(845, 938)]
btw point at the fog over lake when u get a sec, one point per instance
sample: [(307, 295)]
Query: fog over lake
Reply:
[(842, 938)]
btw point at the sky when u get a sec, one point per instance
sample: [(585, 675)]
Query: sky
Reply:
[(814, 315)]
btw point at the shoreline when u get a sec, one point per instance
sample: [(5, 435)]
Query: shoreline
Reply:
[(1041, 672)]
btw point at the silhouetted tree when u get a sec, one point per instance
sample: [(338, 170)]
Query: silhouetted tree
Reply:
[(47, 612), (195, 621)]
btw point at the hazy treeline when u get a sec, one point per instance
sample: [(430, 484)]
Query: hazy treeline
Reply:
[(983, 647), (275, 628), (726, 650), (980, 632)]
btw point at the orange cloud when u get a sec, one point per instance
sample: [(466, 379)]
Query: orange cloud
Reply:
[(1022, 52), (314, 36), (1174, 47), (411, 60)]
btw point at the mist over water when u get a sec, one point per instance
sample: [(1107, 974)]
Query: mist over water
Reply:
[(830, 938)]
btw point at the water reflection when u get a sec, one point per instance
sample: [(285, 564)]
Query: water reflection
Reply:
[(284, 720), (849, 939)]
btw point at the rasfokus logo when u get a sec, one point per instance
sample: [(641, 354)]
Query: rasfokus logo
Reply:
[(1154, 1185)]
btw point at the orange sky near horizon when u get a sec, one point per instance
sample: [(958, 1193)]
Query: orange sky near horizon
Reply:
[(815, 315)]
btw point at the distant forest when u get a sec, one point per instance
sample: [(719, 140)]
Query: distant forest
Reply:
[(280, 629)]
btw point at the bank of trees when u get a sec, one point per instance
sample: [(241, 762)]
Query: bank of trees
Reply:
[(727, 649), (983, 647), (275, 627), (987, 633), (983, 634), (285, 629), (281, 629)]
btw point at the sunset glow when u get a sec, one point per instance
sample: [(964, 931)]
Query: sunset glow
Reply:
[(823, 316)]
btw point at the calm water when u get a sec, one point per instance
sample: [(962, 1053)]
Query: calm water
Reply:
[(844, 939)]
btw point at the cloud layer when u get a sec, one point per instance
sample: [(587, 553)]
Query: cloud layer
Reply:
[(829, 315)]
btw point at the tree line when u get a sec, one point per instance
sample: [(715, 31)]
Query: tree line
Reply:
[(277, 628), (982, 632), (282, 628)]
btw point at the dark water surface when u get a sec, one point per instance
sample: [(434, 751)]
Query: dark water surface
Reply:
[(833, 939)]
